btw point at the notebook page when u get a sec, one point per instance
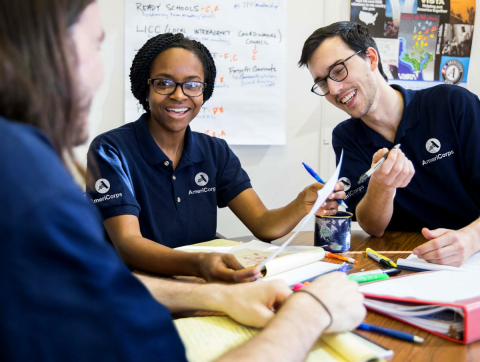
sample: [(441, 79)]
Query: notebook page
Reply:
[(441, 286), (207, 338), (472, 263)]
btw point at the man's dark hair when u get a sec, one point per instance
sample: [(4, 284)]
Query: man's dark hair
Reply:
[(356, 36), (140, 70)]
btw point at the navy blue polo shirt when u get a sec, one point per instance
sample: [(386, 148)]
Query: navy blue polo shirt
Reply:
[(174, 208), (440, 133), (65, 295)]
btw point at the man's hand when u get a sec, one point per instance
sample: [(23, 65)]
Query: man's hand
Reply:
[(330, 206), (448, 247), (342, 299), (395, 172), (225, 267), (254, 304)]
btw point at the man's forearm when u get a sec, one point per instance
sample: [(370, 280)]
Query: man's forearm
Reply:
[(375, 210), (288, 337), (181, 296)]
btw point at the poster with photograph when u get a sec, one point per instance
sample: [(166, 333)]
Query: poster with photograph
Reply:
[(421, 43)]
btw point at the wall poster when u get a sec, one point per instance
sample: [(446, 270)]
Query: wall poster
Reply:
[(422, 43)]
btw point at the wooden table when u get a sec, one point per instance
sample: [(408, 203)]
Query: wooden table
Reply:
[(395, 245)]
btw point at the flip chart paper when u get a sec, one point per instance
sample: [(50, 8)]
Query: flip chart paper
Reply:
[(247, 43)]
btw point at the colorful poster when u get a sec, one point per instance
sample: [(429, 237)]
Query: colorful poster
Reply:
[(421, 58), (247, 42), (417, 38)]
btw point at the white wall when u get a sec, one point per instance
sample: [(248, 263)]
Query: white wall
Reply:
[(276, 172)]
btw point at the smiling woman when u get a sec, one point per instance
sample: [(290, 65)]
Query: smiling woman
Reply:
[(171, 180)]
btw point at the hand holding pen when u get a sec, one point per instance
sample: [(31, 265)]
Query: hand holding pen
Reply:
[(316, 177), (391, 168)]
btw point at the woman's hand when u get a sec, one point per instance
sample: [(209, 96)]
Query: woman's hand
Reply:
[(330, 206), (225, 267)]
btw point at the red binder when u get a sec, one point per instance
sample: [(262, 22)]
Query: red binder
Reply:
[(470, 307)]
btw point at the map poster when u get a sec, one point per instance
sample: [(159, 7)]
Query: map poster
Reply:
[(370, 13), (417, 38)]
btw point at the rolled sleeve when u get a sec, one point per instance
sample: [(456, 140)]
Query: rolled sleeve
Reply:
[(106, 162)]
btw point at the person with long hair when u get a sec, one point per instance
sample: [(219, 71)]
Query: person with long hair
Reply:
[(65, 293), (162, 182)]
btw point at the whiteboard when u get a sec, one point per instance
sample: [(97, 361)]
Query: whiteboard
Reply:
[(247, 42)]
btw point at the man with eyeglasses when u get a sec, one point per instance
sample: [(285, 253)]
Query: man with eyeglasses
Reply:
[(432, 183)]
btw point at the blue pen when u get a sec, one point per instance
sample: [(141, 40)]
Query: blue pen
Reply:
[(316, 177), (344, 267), (391, 332)]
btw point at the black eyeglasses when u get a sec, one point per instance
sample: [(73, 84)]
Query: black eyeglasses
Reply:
[(338, 73), (166, 87)]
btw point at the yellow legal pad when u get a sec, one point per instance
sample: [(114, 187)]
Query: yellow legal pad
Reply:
[(207, 338)]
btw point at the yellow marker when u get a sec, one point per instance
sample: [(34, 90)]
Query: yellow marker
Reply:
[(383, 257)]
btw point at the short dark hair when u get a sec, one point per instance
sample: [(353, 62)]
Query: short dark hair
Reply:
[(356, 36), (140, 70)]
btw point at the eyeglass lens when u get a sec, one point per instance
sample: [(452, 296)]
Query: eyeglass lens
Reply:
[(338, 73), (167, 86)]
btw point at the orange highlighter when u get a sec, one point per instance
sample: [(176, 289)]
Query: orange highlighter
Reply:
[(344, 258)]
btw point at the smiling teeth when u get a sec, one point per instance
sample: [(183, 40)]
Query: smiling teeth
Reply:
[(177, 110), (347, 99)]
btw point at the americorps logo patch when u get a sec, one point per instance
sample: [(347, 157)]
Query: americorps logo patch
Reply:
[(102, 185), (433, 145), (201, 179), (346, 182)]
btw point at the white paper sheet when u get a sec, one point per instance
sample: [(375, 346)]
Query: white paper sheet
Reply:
[(472, 264), (303, 273), (247, 43), (442, 286), (322, 196), (205, 249)]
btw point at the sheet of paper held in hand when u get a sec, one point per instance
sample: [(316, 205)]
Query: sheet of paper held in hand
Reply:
[(322, 197)]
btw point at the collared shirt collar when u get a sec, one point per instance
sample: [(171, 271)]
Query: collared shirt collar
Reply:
[(154, 155), (409, 119)]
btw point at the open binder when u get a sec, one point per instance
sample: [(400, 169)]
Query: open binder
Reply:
[(444, 303)]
